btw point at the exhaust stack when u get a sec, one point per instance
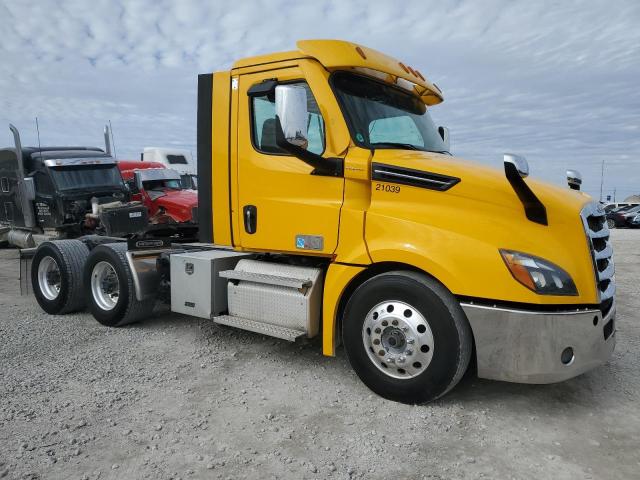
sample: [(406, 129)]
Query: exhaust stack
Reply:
[(107, 140), (18, 145), (26, 189)]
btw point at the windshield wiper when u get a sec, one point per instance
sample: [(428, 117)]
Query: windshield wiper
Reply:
[(405, 146)]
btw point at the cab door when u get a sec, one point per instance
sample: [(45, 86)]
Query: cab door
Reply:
[(281, 206)]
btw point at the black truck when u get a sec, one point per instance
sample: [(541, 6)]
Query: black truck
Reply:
[(51, 193)]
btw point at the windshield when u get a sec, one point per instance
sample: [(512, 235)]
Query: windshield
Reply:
[(162, 184), (634, 209), (87, 177), (383, 116), (177, 159)]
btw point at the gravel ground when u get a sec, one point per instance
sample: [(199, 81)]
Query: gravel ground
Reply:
[(178, 397)]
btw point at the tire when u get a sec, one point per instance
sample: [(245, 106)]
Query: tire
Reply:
[(110, 292), (56, 276), (611, 223), (416, 372)]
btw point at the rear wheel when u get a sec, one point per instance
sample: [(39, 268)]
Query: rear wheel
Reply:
[(56, 276), (111, 293), (611, 223), (406, 337)]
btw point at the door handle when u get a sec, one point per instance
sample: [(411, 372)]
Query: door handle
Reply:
[(250, 215)]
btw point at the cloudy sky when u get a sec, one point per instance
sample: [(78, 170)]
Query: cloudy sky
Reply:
[(558, 82)]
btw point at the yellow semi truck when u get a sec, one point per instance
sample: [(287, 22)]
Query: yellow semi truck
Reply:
[(330, 205)]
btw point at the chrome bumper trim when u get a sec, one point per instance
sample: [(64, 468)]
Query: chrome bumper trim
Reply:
[(526, 346)]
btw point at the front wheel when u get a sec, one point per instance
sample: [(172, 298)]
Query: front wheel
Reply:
[(108, 280), (611, 223), (406, 337)]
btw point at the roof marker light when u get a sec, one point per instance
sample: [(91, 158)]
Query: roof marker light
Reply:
[(420, 75), (359, 50), (403, 67)]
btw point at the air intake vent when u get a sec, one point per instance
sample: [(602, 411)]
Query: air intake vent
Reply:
[(414, 178)]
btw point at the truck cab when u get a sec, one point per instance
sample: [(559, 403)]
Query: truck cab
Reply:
[(161, 191), (62, 192), (330, 205), (179, 160)]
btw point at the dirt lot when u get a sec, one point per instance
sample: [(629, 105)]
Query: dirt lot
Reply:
[(177, 397)]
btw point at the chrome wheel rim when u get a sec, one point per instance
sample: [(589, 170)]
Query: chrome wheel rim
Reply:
[(398, 339), (49, 280), (105, 286)]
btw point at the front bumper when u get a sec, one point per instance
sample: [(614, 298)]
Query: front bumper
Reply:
[(527, 346)]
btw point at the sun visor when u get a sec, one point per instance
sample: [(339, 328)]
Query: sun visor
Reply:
[(336, 54)]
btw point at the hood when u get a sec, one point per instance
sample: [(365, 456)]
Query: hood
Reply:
[(489, 185), (476, 217), (178, 204), (178, 198)]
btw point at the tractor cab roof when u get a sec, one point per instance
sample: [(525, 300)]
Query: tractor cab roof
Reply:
[(341, 55), (35, 157)]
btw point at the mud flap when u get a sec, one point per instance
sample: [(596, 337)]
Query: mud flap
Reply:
[(26, 255)]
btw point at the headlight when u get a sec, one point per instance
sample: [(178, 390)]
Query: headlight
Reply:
[(538, 275), (636, 219)]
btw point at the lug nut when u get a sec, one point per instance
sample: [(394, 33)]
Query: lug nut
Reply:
[(401, 360), (408, 352), (411, 341)]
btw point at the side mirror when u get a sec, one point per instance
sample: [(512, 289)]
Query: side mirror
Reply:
[(133, 186), (574, 179), (29, 189), (444, 133), (292, 119), (291, 110), (521, 164)]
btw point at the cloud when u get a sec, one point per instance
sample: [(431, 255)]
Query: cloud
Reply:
[(555, 81)]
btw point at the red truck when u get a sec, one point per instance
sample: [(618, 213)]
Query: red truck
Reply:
[(172, 210)]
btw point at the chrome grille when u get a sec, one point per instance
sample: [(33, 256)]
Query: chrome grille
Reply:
[(595, 225)]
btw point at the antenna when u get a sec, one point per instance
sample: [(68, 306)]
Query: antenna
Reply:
[(113, 142), (38, 130)]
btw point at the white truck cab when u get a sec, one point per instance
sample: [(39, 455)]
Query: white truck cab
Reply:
[(176, 159)]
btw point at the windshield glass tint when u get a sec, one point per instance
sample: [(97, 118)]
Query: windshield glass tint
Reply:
[(383, 116), (85, 177)]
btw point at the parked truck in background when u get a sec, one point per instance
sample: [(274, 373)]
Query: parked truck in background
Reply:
[(172, 209), (63, 192), (179, 160), (625, 217), (329, 205)]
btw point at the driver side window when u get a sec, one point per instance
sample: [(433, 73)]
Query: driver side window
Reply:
[(263, 113)]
